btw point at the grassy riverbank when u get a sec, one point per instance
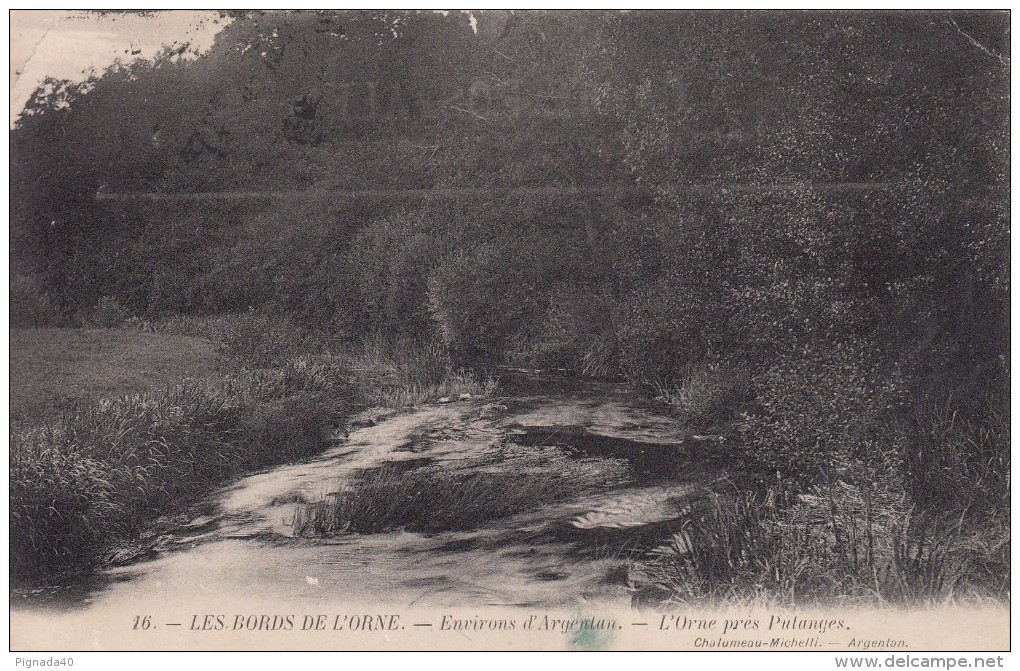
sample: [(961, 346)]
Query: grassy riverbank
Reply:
[(113, 428), (94, 460), (917, 513), (52, 368)]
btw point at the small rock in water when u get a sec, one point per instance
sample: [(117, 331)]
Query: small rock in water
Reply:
[(465, 396), (445, 399), (311, 580)]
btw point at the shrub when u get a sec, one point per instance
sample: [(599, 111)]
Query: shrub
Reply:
[(485, 300), (107, 313), (30, 306), (210, 327), (667, 327), (576, 334), (399, 375), (389, 264), (815, 411), (289, 256)]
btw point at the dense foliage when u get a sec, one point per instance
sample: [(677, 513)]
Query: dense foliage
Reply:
[(803, 212)]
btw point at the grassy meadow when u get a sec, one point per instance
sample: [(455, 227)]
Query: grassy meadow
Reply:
[(52, 368)]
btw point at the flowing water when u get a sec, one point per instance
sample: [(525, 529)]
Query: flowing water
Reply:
[(587, 477)]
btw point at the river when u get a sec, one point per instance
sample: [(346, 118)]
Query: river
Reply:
[(589, 476)]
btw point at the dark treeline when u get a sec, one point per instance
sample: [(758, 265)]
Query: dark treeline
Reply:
[(802, 240)]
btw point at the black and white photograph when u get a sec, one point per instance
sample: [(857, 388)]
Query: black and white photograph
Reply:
[(510, 330)]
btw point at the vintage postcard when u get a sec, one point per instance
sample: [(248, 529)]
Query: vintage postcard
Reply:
[(510, 330)]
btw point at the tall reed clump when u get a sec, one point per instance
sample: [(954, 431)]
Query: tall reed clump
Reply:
[(840, 546), (405, 374), (705, 393), (440, 498), (423, 500), (92, 478)]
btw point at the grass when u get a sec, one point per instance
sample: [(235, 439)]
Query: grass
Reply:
[(441, 498), (118, 426), (839, 547), (390, 374), (53, 368), (401, 375), (105, 468), (950, 459)]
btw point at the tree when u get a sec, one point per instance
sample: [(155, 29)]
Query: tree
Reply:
[(832, 199)]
